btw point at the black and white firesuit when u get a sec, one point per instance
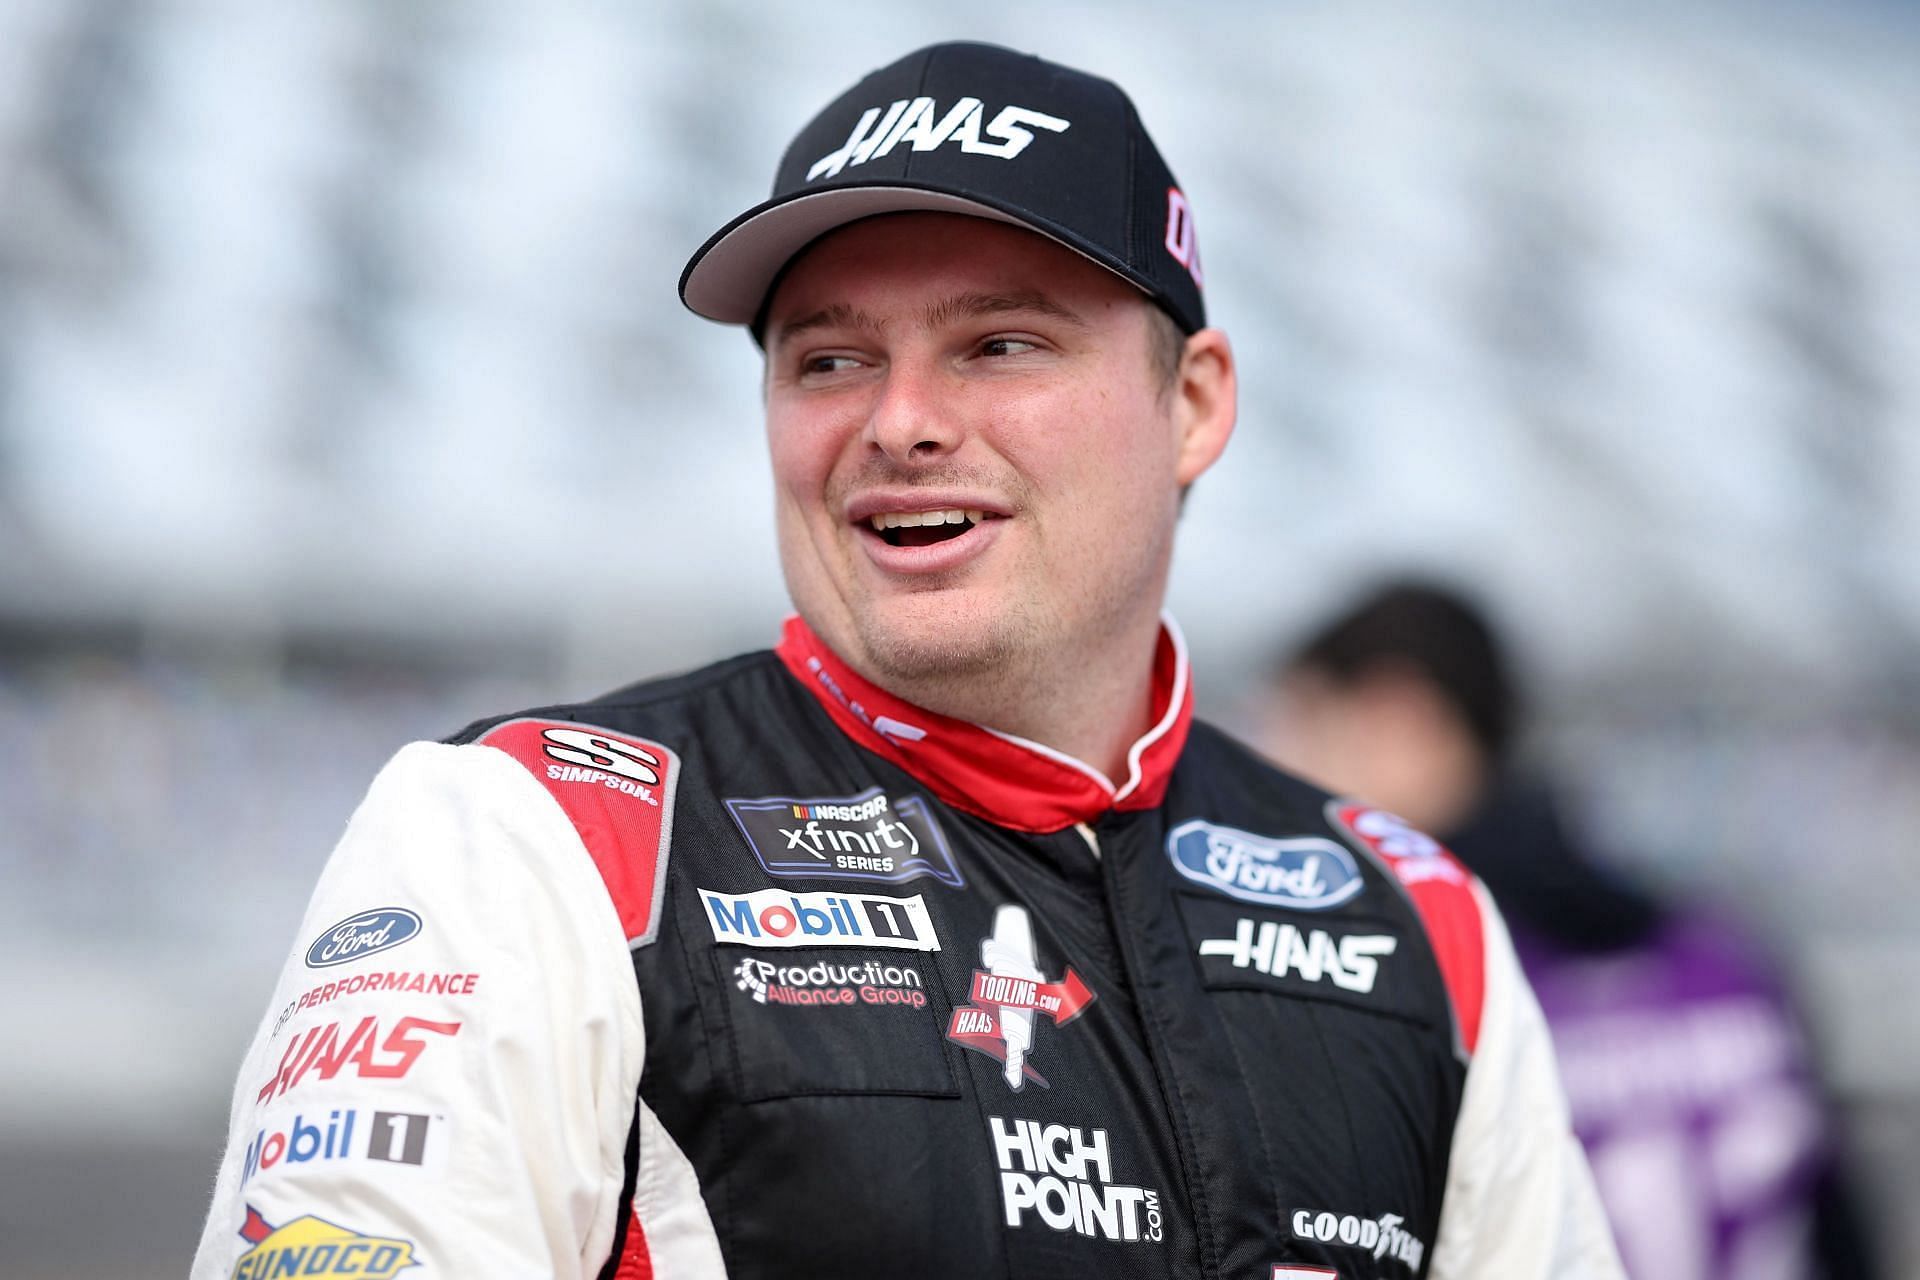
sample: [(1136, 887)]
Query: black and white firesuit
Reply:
[(762, 972)]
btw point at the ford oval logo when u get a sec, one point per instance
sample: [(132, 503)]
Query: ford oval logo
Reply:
[(1306, 872), (362, 935)]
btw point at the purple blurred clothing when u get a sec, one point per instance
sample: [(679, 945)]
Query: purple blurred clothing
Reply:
[(1689, 1078), (1692, 1091)]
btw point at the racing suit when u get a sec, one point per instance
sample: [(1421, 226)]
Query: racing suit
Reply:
[(760, 971)]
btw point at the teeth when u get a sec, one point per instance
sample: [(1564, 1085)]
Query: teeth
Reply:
[(910, 519)]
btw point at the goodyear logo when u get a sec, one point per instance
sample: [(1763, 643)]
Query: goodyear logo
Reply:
[(310, 1246)]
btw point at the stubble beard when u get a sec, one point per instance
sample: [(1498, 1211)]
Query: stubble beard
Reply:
[(1007, 664), (947, 659), (998, 661), (934, 651)]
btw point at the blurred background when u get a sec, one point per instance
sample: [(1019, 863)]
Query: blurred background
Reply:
[(345, 398)]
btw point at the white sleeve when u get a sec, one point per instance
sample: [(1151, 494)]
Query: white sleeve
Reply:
[(455, 1103), (1520, 1202)]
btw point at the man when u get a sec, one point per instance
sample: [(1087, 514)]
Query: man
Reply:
[(940, 941), (1689, 1081)]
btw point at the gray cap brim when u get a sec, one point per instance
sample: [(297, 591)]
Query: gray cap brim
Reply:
[(728, 279)]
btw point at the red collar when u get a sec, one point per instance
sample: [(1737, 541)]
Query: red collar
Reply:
[(1004, 779)]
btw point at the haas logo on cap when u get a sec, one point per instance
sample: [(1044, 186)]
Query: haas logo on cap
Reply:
[(919, 122)]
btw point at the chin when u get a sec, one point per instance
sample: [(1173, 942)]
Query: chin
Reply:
[(925, 643)]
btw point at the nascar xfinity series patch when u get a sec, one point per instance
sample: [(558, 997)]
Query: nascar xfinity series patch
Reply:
[(869, 836)]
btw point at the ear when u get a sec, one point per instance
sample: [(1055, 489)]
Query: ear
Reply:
[(1206, 399)]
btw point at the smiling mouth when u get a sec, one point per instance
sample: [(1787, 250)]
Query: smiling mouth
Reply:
[(924, 528)]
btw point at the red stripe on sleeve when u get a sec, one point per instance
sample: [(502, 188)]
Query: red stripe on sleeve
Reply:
[(1441, 890), (617, 790), (636, 1262)]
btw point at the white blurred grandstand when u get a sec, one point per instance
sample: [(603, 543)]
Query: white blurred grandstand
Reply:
[(344, 397)]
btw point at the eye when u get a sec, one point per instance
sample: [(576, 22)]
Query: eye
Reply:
[(826, 363), (1006, 346)]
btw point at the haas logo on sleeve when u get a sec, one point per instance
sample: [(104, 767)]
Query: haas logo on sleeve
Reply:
[(331, 1049)]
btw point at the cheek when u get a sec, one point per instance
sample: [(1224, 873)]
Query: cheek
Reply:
[(1132, 462), (1079, 437), (801, 454), (1102, 460)]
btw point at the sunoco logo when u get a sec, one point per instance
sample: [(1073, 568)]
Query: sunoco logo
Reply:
[(869, 836), (1063, 1175), (310, 1246), (1306, 873), (1383, 1236), (830, 984)]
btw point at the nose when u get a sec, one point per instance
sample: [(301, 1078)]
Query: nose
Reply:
[(915, 419)]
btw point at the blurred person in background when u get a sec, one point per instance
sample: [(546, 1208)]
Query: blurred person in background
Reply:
[(793, 966), (1689, 1077)]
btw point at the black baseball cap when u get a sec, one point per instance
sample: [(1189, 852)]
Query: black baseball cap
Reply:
[(973, 129)]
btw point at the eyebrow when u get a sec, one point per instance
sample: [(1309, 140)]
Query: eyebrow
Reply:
[(967, 305), (960, 306), (837, 316)]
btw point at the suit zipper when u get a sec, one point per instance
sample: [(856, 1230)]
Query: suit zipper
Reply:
[(1157, 1054)]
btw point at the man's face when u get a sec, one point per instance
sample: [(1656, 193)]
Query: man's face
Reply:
[(977, 462)]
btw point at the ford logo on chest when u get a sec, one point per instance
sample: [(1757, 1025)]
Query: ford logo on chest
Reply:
[(362, 935), (1306, 872)]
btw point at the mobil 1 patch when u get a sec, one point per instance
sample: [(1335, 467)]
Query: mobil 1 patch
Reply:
[(776, 918), (871, 836)]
